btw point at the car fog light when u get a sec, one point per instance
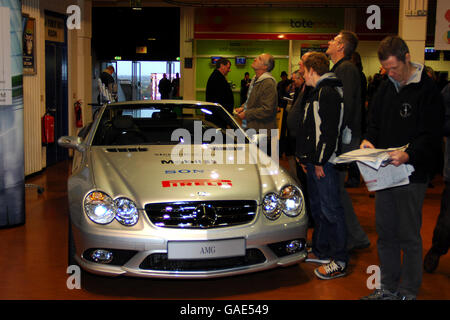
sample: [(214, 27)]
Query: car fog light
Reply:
[(293, 246), (102, 256)]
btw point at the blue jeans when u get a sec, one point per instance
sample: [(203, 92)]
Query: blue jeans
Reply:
[(330, 230)]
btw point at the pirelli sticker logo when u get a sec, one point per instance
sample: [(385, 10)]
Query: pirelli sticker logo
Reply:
[(196, 182)]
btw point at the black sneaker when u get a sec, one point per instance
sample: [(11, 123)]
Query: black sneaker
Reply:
[(431, 261), (381, 294)]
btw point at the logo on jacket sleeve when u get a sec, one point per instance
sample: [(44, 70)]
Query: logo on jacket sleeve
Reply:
[(405, 110)]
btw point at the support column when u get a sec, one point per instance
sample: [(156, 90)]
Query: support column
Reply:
[(187, 77), (413, 27), (80, 68)]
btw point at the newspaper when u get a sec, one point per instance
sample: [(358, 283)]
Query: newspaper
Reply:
[(375, 167)]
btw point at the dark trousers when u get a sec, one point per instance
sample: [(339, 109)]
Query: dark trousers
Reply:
[(441, 233), (330, 231), (355, 233), (398, 213)]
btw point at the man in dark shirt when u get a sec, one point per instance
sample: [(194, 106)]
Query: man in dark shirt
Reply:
[(245, 84), (218, 89), (164, 87), (340, 50), (407, 110)]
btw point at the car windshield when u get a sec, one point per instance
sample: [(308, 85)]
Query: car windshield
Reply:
[(165, 123)]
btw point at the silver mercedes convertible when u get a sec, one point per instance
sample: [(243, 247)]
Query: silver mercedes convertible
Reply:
[(177, 189)]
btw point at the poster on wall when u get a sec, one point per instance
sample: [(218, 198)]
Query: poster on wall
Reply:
[(29, 40), (12, 180), (442, 33), (5, 58)]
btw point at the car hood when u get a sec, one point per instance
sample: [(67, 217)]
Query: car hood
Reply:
[(150, 174)]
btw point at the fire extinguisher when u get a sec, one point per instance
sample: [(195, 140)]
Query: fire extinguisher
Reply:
[(48, 128), (78, 114)]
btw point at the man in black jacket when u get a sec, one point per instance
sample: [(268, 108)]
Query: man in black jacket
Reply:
[(317, 143), (340, 50), (218, 89), (407, 110)]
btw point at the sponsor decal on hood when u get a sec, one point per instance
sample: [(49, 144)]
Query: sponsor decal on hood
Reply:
[(196, 182)]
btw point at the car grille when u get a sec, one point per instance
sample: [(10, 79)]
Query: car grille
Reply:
[(201, 214), (159, 261)]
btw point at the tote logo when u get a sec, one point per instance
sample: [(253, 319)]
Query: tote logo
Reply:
[(74, 18)]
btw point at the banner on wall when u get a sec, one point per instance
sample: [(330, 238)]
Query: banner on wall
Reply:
[(265, 20), (12, 180), (5, 58), (442, 33)]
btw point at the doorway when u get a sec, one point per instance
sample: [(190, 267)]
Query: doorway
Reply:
[(56, 86)]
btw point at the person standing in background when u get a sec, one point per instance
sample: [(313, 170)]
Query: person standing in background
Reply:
[(354, 177), (176, 86), (340, 50), (218, 89), (441, 233), (164, 87), (245, 83), (260, 109)]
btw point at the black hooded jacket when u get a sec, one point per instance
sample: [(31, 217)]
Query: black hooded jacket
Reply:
[(413, 115), (320, 123)]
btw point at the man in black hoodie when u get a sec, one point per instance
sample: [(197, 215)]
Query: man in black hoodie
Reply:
[(407, 110), (317, 144)]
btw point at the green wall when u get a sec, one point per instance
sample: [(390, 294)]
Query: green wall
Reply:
[(229, 49)]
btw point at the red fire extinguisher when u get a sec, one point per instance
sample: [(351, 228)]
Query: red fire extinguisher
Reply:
[(78, 114), (48, 128)]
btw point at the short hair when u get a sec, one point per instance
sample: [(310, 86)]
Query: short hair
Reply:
[(246, 74), (270, 63), (393, 46), (350, 40), (222, 61), (110, 67), (283, 73), (318, 61)]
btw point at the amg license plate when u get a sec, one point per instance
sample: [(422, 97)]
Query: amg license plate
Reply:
[(206, 249)]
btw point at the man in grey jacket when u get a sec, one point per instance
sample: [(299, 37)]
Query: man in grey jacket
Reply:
[(260, 109)]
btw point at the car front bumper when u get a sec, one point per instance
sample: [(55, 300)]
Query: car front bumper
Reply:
[(138, 255)]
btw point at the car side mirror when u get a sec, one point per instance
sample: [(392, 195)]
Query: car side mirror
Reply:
[(71, 142)]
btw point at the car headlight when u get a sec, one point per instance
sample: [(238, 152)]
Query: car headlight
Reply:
[(99, 207), (271, 207), (126, 211), (291, 200)]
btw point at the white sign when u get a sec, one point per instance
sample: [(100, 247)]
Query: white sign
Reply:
[(5, 57), (442, 33), (206, 249)]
